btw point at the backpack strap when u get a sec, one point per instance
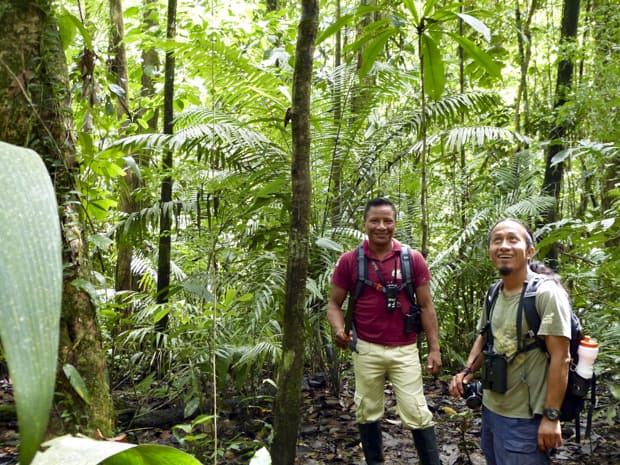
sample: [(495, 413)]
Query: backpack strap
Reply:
[(362, 277), (406, 269), (531, 314), (590, 408), (489, 303), (527, 305), (362, 280), (492, 294), (362, 273)]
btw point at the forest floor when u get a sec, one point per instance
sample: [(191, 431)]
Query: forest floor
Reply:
[(328, 432)]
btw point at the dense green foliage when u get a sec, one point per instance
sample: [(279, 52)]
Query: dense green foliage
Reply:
[(371, 136)]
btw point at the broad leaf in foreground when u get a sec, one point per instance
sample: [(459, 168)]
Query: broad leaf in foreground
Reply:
[(72, 450), (30, 288)]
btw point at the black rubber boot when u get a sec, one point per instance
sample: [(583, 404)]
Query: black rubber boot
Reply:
[(372, 442), (426, 444)]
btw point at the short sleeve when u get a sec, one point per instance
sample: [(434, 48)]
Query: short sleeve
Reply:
[(554, 308)]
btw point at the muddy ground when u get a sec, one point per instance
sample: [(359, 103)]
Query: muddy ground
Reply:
[(328, 432)]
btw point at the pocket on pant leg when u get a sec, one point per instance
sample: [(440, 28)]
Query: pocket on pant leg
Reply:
[(368, 410), (518, 446), (521, 437)]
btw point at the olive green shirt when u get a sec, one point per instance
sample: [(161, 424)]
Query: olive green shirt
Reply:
[(527, 373)]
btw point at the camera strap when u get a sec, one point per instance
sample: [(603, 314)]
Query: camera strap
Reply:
[(382, 282)]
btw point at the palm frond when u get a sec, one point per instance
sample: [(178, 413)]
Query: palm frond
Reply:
[(220, 140)]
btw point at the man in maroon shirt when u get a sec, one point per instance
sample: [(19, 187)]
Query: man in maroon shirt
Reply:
[(383, 348)]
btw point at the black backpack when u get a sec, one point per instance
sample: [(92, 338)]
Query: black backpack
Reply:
[(577, 388), (405, 267), (407, 284)]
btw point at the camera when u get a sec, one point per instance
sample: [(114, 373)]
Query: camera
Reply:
[(472, 393), (391, 293), (413, 320), (495, 372)]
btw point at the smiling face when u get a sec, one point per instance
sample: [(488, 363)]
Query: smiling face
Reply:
[(379, 225), (510, 247)]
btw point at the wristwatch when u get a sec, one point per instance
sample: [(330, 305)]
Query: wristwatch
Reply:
[(552, 414)]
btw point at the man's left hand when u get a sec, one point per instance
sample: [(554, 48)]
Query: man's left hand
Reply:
[(549, 435)]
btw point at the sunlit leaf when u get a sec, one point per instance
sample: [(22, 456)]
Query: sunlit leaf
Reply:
[(191, 406), (428, 7), (76, 381), (116, 89), (133, 165), (477, 25), (77, 24), (261, 457), (410, 5), (327, 243), (70, 450), (346, 20)]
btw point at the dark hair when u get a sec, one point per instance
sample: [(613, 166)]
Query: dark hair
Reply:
[(529, 235), (378, 202)]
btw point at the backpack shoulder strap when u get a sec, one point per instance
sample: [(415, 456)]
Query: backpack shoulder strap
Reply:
[(362, 272), (489, 303), (362, 275), (406, 268), (531, 314), (491, 297)]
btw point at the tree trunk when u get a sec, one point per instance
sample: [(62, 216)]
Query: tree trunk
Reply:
[(423, 155), (150, 64), (606, 35), (272, 5), (287, 404), (118, 56), (165, 218), (524, 40), (552, 182), (118, 68), (35, 98), (125, 242)]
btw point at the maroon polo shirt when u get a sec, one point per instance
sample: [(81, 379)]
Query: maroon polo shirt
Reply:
[(373, 321)]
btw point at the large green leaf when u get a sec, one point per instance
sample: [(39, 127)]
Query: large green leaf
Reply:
[(373, 48), (30, 288), (410, 5), (434, 76), (71, 450), (151, 454), (346, 20), (478, 55)]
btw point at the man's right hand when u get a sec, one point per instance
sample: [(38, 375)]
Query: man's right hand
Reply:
[(342, 340), (456, 385)]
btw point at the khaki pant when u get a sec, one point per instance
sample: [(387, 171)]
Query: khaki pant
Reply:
[(374, 363)]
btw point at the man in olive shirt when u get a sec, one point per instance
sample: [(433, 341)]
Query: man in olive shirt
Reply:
[(521, 425)]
